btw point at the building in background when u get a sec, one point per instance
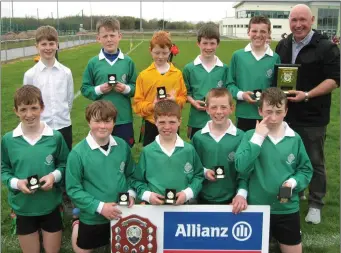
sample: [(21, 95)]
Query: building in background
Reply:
[(327, 17)]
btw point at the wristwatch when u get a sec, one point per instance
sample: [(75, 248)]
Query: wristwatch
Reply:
[(306, 98)]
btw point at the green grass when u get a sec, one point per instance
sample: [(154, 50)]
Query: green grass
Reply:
[(324, 238)]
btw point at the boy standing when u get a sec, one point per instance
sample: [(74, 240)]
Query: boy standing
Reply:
[(98, 169), (201, 75), (251, 71), (159, 75), (168, 162), (216, 145), (55, 82), (274, 155), (34, 155), (111, 76)]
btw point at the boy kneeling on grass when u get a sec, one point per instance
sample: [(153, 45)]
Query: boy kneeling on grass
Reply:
[(168, 163), (33, 159), (98, 169), (274, 156)]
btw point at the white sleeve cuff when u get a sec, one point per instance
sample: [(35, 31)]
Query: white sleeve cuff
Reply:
[(126, 90), (14, 183), (57, 176), (146, 196), (189, 193), (240, 95), (292, 181), (98, 90), (257, 139), (100, 207), (132, 193), (243, 193), (205, 171)]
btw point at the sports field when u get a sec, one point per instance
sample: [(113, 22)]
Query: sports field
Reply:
[(323, 238)]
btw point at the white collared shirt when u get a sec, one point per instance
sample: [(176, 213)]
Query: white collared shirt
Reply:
[(56, 85), (218, 63), (101, 57), (178, 143), (268, 51), (248, 48), (47, 131), (232, 130), (94, 145)]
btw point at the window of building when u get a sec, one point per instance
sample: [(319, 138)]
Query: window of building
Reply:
[(277, 26), (327, 21)]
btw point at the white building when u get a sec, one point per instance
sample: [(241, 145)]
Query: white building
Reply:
[(327, 17)]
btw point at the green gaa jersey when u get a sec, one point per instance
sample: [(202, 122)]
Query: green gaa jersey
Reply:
[(269, 165), (94, 175), (246, 73), (198, 83), (96, 73), (158, 171), (213, 152), (20, 160)]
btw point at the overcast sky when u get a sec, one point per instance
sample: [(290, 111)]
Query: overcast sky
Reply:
[(173, 11)]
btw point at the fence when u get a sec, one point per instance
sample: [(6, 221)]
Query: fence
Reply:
[(14, 49)]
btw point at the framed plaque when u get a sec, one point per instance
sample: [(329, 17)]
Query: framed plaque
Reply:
[(287, 76)]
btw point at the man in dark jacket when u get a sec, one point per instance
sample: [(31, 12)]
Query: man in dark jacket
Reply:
[(309, 111)]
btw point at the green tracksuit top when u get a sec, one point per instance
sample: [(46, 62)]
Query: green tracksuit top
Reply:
[(156, 171), (96, 73), (248, 74), (93, 177), (221, 153), (198, 83), (270, 165), (19, 159)]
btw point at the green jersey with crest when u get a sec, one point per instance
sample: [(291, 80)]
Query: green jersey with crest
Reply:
[(96, 73), (221, 153), (156, 171), (269, 166), (198, 83), (93, 177), (248, 74), (19, 159)]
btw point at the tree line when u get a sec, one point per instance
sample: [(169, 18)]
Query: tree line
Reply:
[(72, 23)]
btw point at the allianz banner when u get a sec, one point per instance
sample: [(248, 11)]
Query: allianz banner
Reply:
[(191, 229)]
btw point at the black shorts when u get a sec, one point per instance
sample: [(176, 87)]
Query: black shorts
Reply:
[(126, 132), (93, 236), (202, 201), (67, 134), (285, 228), (246, 124), (51, 223)]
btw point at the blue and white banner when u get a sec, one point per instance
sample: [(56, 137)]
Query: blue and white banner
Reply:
[(190, 229)]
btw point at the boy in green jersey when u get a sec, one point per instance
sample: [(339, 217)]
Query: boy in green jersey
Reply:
[(111, 76), (251, 71), (33, 159), (274, 156), (168, 162), (216, 145), (98, 170), (201, 75)]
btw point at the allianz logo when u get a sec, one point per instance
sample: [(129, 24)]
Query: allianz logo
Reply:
[(241, 231)]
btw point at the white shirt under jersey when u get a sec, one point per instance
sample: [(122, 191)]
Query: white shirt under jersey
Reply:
[(56, 85)]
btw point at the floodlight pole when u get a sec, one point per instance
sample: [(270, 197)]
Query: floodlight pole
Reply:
[(163, 15), (57, 18)]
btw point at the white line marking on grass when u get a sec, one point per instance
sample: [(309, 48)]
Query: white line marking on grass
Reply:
[(79, 92)]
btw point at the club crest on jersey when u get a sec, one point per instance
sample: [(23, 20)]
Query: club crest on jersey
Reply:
[(122, 167), (230, 157), (269, 73), (188, 168), (220, 84), (124, 78), (49, 160), (291, 159)]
